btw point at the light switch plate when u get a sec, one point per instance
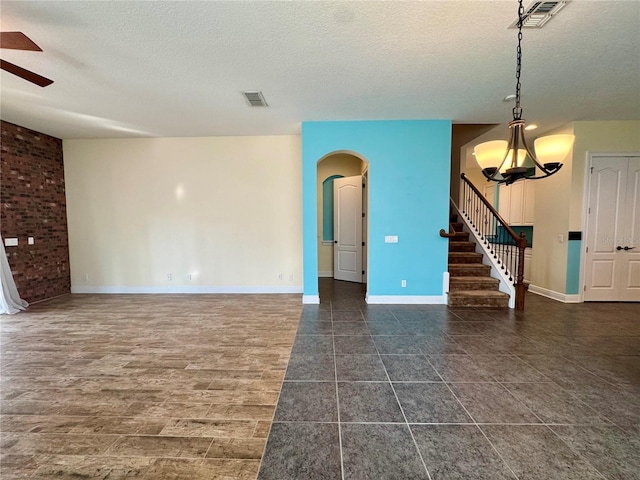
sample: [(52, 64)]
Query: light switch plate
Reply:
[(31, 240), (10, 242), (391, 239)]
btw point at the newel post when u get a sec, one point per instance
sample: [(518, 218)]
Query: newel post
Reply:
[(520, 287)]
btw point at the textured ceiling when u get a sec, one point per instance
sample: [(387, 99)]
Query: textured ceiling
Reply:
[(147, 68)]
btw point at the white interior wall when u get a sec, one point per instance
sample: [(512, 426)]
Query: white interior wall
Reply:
[(224, 210)]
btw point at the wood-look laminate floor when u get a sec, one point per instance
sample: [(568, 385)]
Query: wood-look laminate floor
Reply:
[(142, 386)]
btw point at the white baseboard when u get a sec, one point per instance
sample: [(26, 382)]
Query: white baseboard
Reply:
[(326, 274), (406, 299), (561, 297), (184, 289), (310, 299)]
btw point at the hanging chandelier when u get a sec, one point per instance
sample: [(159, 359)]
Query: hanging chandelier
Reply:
[(505, 161)]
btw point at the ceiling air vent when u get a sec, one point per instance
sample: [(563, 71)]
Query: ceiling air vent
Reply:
[(255, 99), (540, 13)]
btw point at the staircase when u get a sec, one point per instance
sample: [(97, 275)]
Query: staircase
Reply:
[(470, 283)]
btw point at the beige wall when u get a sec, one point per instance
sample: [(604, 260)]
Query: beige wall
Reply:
[(226, 210), (476, 177), (338, 164), (462, 134), (597, 137), (559, 198), (551, 220)]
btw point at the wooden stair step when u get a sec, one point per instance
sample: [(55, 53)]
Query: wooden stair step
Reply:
[(457, 226), (465, 257), (478, 298), (473, 283), (469, 270), (461, 246)]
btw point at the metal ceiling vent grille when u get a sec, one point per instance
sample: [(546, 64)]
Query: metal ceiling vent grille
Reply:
[(540, 13), (255, 99)]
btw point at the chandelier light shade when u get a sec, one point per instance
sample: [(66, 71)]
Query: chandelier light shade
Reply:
[(487, 153), (522, 154), (553, 148), (497, 158)]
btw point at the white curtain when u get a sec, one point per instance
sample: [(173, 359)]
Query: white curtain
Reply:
[(10, 301)]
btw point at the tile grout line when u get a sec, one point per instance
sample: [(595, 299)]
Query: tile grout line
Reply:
[(546, 425), (474, 422), (335, 376), (415, 443), (576, 452), (567, 391), (575, 399)]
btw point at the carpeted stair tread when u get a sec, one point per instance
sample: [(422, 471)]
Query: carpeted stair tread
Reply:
[(473, 283), (462, 246), (459, 237), (469, 269), (465, 257), (479, 293), (470, 281), (478, 298)]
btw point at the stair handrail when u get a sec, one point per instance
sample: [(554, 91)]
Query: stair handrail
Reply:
[(444, 234), (496, 234)]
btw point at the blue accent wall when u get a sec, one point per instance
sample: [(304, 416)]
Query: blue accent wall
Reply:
[(409, 168), (327, 208), (573, 267)]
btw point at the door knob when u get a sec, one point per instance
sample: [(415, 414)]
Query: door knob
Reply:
[(629, 248), (618, 247), (336, 241)]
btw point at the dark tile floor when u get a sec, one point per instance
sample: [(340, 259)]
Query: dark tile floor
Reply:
[(428, 392)]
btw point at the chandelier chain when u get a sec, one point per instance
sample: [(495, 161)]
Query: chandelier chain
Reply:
[(517, 110), (507, 162)]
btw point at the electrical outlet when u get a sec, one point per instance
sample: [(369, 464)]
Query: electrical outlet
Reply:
[(279, 276), (404, 283), (169, 276), (189, 276), (291, 278), (86, 277)]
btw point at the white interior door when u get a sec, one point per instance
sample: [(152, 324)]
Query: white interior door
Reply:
[(629, 255), (612, 264), (347, 229)]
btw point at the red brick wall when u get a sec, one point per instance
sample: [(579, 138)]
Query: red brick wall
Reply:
[(33, 204)]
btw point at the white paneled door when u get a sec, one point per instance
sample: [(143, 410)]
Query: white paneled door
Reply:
[(347, 229), (612, 266)]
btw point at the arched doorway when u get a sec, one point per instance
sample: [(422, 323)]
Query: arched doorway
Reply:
[(339, 165)]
